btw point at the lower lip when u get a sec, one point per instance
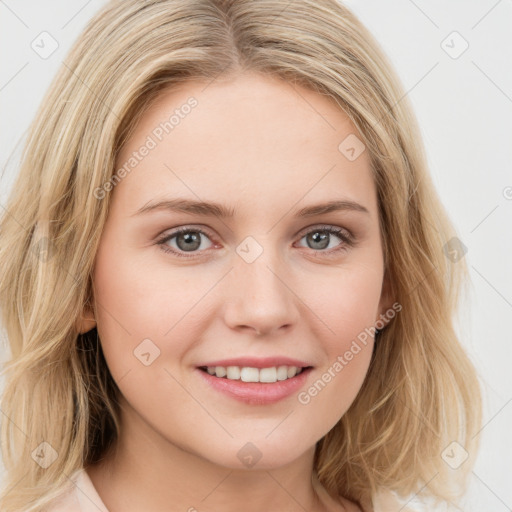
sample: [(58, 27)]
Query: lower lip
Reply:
[(257, 393)]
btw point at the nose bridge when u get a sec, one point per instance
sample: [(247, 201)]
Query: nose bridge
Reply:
[(259, 295)]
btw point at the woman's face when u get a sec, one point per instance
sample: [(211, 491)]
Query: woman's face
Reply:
[(264, 287)]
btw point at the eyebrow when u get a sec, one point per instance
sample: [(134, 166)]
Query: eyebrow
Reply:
[(215, 209)]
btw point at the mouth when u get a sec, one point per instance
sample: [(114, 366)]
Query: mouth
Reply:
[(266, 375), (253, 385)]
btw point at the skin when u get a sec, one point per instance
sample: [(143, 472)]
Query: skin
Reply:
[(267, 149)]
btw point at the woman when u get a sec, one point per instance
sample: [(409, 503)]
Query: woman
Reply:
[(229, 286)]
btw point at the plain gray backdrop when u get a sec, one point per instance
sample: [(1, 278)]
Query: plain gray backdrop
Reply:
[(455, 61)]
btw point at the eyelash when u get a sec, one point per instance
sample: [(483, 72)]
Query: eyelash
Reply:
[(345, 236)]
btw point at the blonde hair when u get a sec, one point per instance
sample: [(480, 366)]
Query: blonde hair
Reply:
[(421, 392)]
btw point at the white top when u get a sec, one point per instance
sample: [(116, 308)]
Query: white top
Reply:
[(83, 497)]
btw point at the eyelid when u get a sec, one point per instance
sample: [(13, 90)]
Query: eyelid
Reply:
[(321, 226)]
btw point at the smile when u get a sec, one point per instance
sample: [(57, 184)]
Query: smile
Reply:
[(250, 374), (255, 386)]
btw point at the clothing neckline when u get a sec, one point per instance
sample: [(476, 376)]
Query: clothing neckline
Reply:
[(87, 495), (90, 501)]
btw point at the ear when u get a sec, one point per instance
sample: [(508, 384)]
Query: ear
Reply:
[(387, 299), (86, 321)]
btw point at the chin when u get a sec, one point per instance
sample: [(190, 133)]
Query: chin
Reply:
[(254, 455)]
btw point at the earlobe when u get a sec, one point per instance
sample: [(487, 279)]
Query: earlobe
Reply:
[(86, 321)]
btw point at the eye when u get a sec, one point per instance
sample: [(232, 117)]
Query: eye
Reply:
[(320, 238), (188, 240)]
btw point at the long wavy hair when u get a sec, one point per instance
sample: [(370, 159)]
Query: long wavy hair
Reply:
[(60, 403)]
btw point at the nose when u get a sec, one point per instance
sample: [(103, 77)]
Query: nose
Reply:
[(260, 299)]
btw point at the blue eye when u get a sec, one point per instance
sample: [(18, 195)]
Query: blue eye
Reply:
[(188, 239)]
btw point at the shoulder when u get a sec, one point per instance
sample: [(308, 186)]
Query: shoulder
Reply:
[(68, 501), (81, 496)]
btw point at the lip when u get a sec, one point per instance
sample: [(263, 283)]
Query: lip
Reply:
[(256, 393), (257, 362)]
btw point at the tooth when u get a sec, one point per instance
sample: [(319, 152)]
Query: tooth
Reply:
[(282, 372), (268, 374), (220, 371), (233, 372), (292, 370), (250, 374)]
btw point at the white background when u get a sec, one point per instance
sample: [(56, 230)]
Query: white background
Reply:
[(464, 107)]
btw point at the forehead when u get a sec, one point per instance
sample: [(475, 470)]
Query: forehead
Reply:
[(247, 139)]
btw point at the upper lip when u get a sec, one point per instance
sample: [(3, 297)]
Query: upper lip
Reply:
[(257, 362)]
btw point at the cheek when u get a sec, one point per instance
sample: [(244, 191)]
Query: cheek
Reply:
[(128, 308), (347, 301), (328, 397), (134, 304), (348, 309)]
